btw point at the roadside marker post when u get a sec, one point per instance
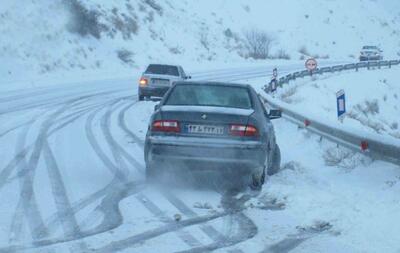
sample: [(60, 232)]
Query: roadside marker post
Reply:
[(341, 105), (364, 146)]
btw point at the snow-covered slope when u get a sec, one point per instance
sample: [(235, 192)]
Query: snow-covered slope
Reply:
[(114, 37), (372, 98)]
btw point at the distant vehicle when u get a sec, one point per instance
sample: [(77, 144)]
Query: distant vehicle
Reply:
[(371, 53), (213, 127), (158, 78)]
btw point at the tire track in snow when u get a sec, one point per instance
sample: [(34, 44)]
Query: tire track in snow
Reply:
[(247, 229), (124, 127), (154, 209), (69, 238), (66, 215), (186, 237), (210, 231), (153, 233), (21, 152), (27, 203)]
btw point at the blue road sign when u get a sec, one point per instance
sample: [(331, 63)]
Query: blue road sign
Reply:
[(341, 104)]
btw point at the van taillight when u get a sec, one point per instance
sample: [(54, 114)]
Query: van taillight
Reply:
[(171, 126), (243, 130)]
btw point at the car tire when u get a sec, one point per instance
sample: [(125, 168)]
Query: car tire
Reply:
[(275, 164), (141, 97), (257, 181)]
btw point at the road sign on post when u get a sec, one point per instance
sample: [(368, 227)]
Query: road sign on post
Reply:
[(311, 65), (275, 73), (341, 104)]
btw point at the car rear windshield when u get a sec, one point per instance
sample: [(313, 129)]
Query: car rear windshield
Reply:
[(162, 70), (210, 95)]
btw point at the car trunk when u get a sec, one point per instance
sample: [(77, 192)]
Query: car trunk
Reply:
[(206, 121), (160, 80)]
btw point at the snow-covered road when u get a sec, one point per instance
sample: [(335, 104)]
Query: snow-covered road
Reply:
[(72, 180)]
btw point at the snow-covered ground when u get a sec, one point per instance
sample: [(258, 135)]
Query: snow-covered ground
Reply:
[(372, 99), (72, 130), (71, 180)]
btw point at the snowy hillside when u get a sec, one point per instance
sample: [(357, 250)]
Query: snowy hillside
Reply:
[(116, 37)]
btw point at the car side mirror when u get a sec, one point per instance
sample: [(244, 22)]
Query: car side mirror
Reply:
[(274, 114), (156, 107)]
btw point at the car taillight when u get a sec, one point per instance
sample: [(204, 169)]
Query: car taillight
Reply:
[(166, 126), (143, 82), (243, 130)]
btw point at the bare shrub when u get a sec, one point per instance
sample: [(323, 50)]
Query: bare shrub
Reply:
[(287, 95), (154, 6), (125, 24), (125, 56), (282, 54), (370, 107), (304, 51), (343, 158), (175, 50), (258, 43), (228, 33), (360, 113), (204, 40), (83, 21)]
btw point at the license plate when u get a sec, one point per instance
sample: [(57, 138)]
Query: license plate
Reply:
[(160, 82), (205, 129)]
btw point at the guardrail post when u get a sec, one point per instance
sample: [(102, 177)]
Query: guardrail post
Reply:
[(356, 67), (379, 65), (390, 64)]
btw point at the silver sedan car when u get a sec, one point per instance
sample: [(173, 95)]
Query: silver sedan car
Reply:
[(217, 127), (158, 78)]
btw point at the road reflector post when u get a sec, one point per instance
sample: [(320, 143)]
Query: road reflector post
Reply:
[(364, 146), (307, 122), (341, 105)]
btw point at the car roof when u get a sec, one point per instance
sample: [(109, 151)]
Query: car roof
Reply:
[(213, 83), (159, 64)]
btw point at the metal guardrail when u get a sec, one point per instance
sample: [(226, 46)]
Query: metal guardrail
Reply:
[(376, 148), (337, 68)]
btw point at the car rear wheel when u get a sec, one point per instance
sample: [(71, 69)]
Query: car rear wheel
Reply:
[(141, 97), (275, 163), (257, 181)]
